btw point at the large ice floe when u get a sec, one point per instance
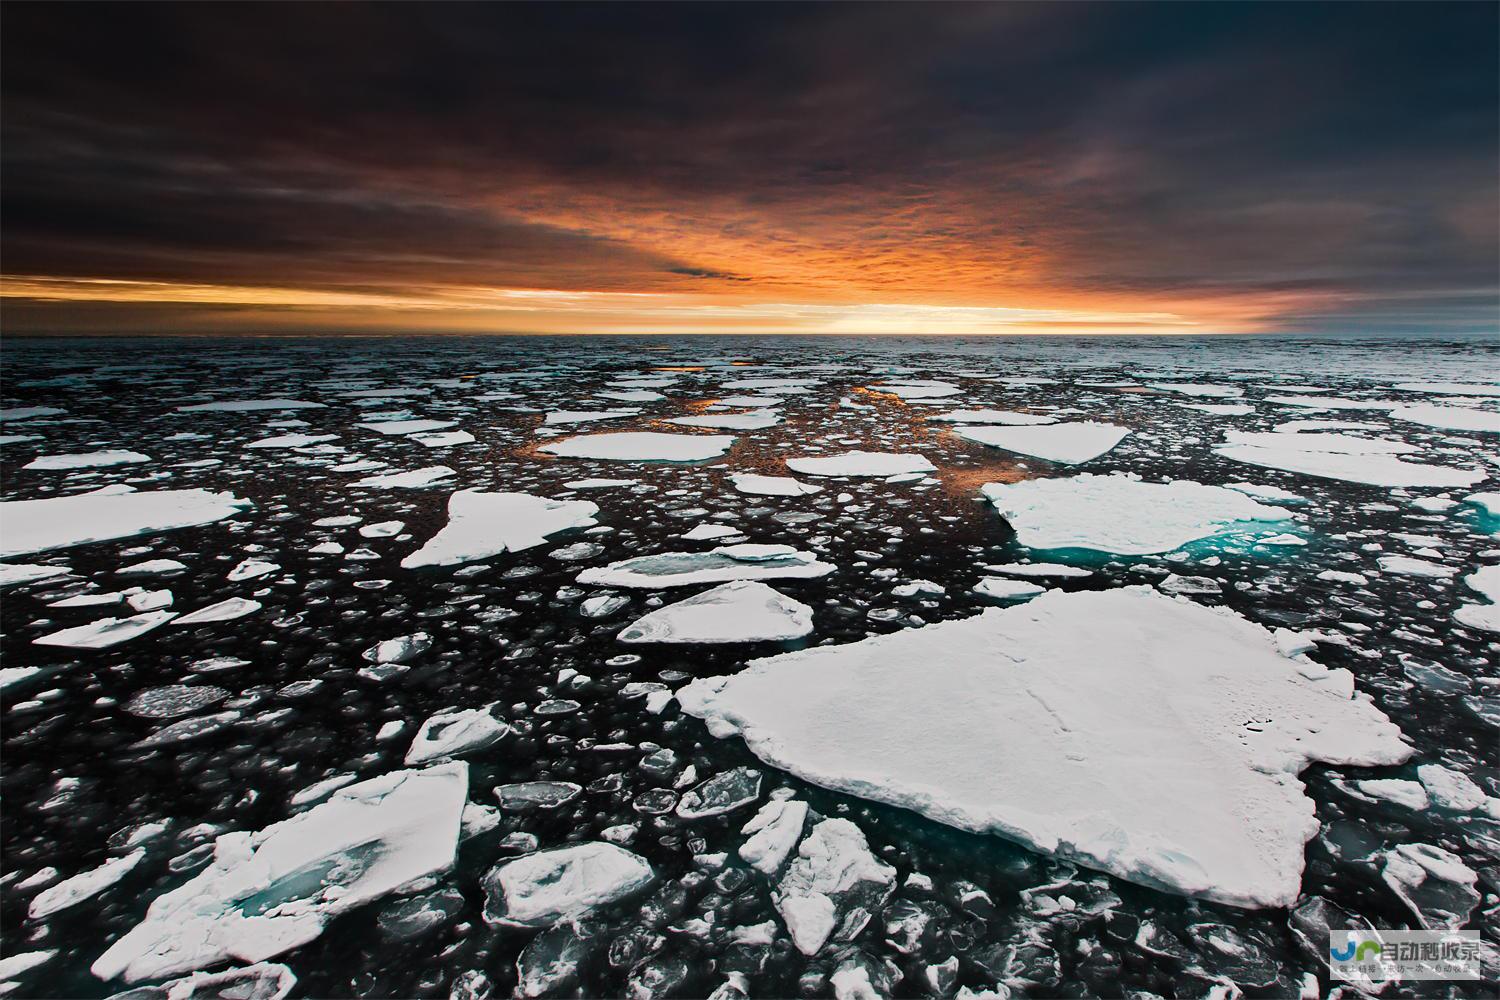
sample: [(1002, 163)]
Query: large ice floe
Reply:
[(772, 486), (1486, 617), (642, 446), (1010, 417), (742, 611), (114, 512), (1140, 734), (1068, 444), (481, 525), (1120, 514), (861, 463), (727, 562), (266, 893), (546, 888), (1344, 457), (85, 460)]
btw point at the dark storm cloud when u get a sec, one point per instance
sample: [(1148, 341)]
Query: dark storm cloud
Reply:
[(1346, 150)]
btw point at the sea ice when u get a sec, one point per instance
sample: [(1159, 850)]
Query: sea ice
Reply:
[(87, 460), (454, 733), (556, 418), (415, 479), (1457, 418), (72, 891), (1486, 617), (1144, 735), (1038, 569), (406, 426), (12, 574), (993, 417), (28, 412), (1006, 590), (567, 883), (861, 463), (772, 486), (753, 420), (269, 892), (291, 440), (741, 611), (62, 522), (773, 831), (727, 562), (226, 610), (832, 887), (251, 405), (1120, 514), (1434, 884), (1332, 443), (106, 632), (481, 525), (1366, 467), (642, 446), (723, 793), (1069, 444), (1450, 388)]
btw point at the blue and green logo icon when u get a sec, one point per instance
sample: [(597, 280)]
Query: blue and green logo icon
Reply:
[(1354, 950)]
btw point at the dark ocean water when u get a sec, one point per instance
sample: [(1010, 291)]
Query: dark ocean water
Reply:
[(74, 786)]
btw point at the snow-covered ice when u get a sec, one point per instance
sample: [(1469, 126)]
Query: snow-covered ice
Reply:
[(481, 525), (1144, 735), (62, 522), (86, 460), (567, 883), (642, 446), (772, 486), (105, 632), (741, 611), (861, 463), (719, 565), (1069, 444)]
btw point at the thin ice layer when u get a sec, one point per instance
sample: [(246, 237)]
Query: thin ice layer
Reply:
[(1120, 514), (1143, 735), (266, 893), (28, 526), (481, 525)]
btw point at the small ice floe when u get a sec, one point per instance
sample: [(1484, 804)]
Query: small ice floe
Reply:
[(14, 574), (1408, 794), (1200, 389), (1450, 789), (1010, 417), (1370, 461), (250, 569), (417, 478), (1455, 418), (251, 405), (481, 525), (261, 981), (1002, 589), (443, 439), (531, 796), (861, 463), (106, 632), (1120, 514), (406, 426), (85, 885), (1220, 409), (1333, 403), (723, 793), (631, 395), (86, 460), (14, 964), (772, 486), (832, 887), (741, 611), (1038, 569), (291, 440), (598, 484), (1260, 492), (773, 831), (91, 600), (1067, 444), (454, 733), (1436, 886), (719, 565), (1451, 388), (568, 883), (174, 700), (708, 532), (642, 446), (753, 420), (1408, 566), (29, 412), (918, 389), (115, 512), (224, 611), (557, 418), (1485, 617), (1103, 739), (269, 892), (602, 605)]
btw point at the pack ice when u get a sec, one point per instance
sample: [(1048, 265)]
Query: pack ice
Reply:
[(1120, 514), (742, 611), (269, 892), (727, 562), (114, 512), (1345, 457), (1132, 732), (481, 525)]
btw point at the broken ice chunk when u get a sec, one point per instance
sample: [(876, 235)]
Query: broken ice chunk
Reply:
[(720, 794), (1434, 884), (106, 632), (772, 486), (774, 832), (1067, 444), (454, 733), (85, 885), (642, 446), (91, 460), (268, 892), (742, 611), (727, 562), (861, 463), (567, 883), (62, 522), (832, 887), (481, 525)]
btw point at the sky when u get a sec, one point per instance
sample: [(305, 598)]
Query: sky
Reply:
[(742, 168)]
